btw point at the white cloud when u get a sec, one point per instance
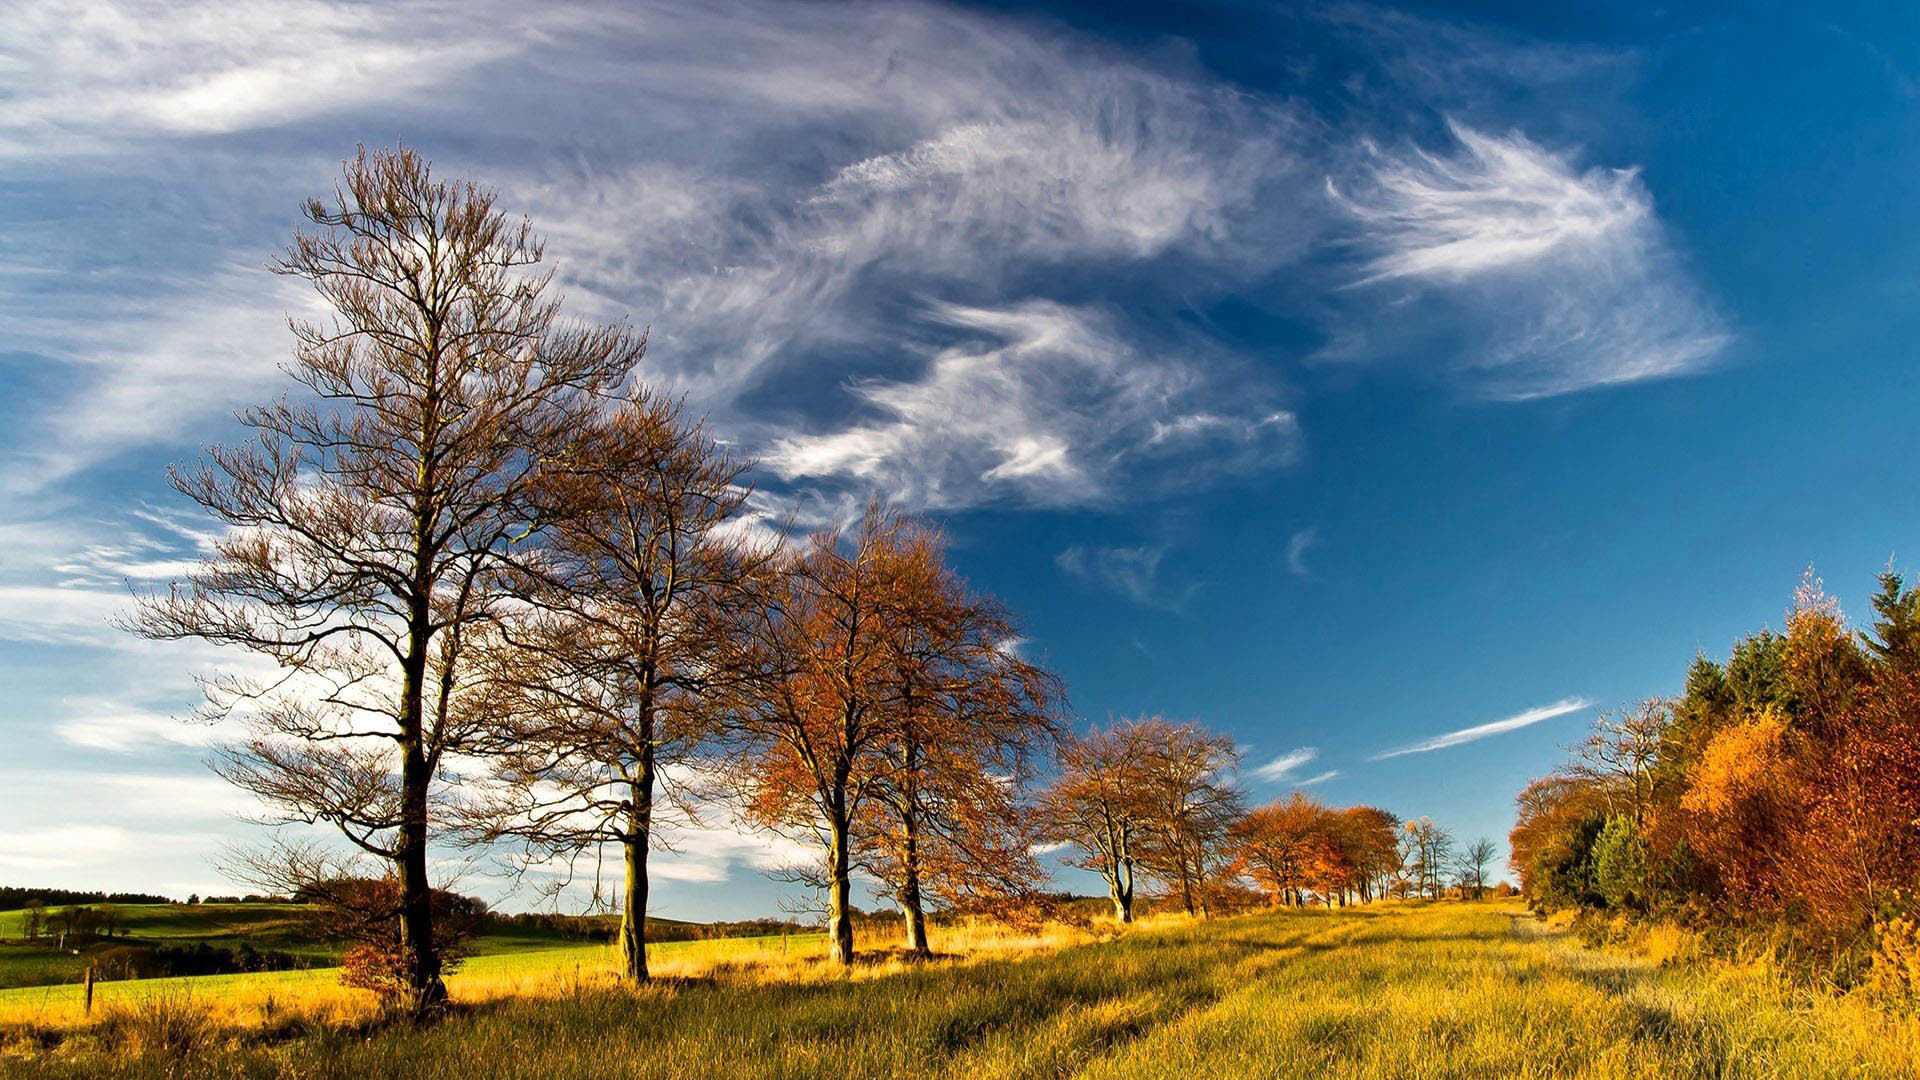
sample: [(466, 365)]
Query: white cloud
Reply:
[(1298, 545), (1565, 275), (1044, 404), (57, 849), (79, 75), (200, 796), (1132, 571), (108, 725), (45, 615), (1495, 727), (1319, 778), (1284, 766)]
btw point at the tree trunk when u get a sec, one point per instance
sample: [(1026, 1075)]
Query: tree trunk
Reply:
[(633, 915), (424, 987), (840, 893), (1122, 895), (910, 900)]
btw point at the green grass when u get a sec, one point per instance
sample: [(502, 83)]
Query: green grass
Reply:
[(1450, 990), (267, 927), (184, 921)]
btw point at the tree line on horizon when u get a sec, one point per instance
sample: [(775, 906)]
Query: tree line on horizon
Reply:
[(1779, 793), (500, 592)]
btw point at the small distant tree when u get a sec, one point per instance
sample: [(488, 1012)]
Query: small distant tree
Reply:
[(109, 918), (33, 918), (1368, 834), (1475, 863), (1428, 851)]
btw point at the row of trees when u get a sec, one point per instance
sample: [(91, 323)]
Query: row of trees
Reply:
[(505, 594), (1157, 801), (73, 920), (1781, 787)]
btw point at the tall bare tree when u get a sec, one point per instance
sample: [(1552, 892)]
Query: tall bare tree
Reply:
[(607, 681), (369, 523), (1620, 753)]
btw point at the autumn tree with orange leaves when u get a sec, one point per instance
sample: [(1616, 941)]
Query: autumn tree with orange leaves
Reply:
[(880, 712), (1097, 805), (948, 822)]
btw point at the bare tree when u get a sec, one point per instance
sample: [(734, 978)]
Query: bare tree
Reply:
[(368, 527), (1427, 850), (1620, 753), (606, 682), (1473, 865)]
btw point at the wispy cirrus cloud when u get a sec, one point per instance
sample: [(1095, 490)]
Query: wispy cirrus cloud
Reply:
[(1133, 572), (1048, 407), (1301, 542), (1564, 275), (89, 73), (1284, 766), (1487, 730)]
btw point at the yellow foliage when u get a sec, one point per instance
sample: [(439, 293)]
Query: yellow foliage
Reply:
[(1743, 760), (1896, 962)]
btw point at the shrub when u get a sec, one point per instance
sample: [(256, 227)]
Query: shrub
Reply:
[(1620, 864), (365, 913)]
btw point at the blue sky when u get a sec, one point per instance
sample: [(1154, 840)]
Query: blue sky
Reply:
[(1341, 376)]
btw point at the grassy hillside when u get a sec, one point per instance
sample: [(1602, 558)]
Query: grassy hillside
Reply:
[(1431, 991)]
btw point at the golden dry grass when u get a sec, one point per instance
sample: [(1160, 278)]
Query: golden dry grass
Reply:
[(1446, 990), (271, 999)]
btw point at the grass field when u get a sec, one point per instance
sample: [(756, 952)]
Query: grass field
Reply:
[(1449, 990)]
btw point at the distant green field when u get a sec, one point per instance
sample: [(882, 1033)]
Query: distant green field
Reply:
[(519, 964), (175, 921)]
